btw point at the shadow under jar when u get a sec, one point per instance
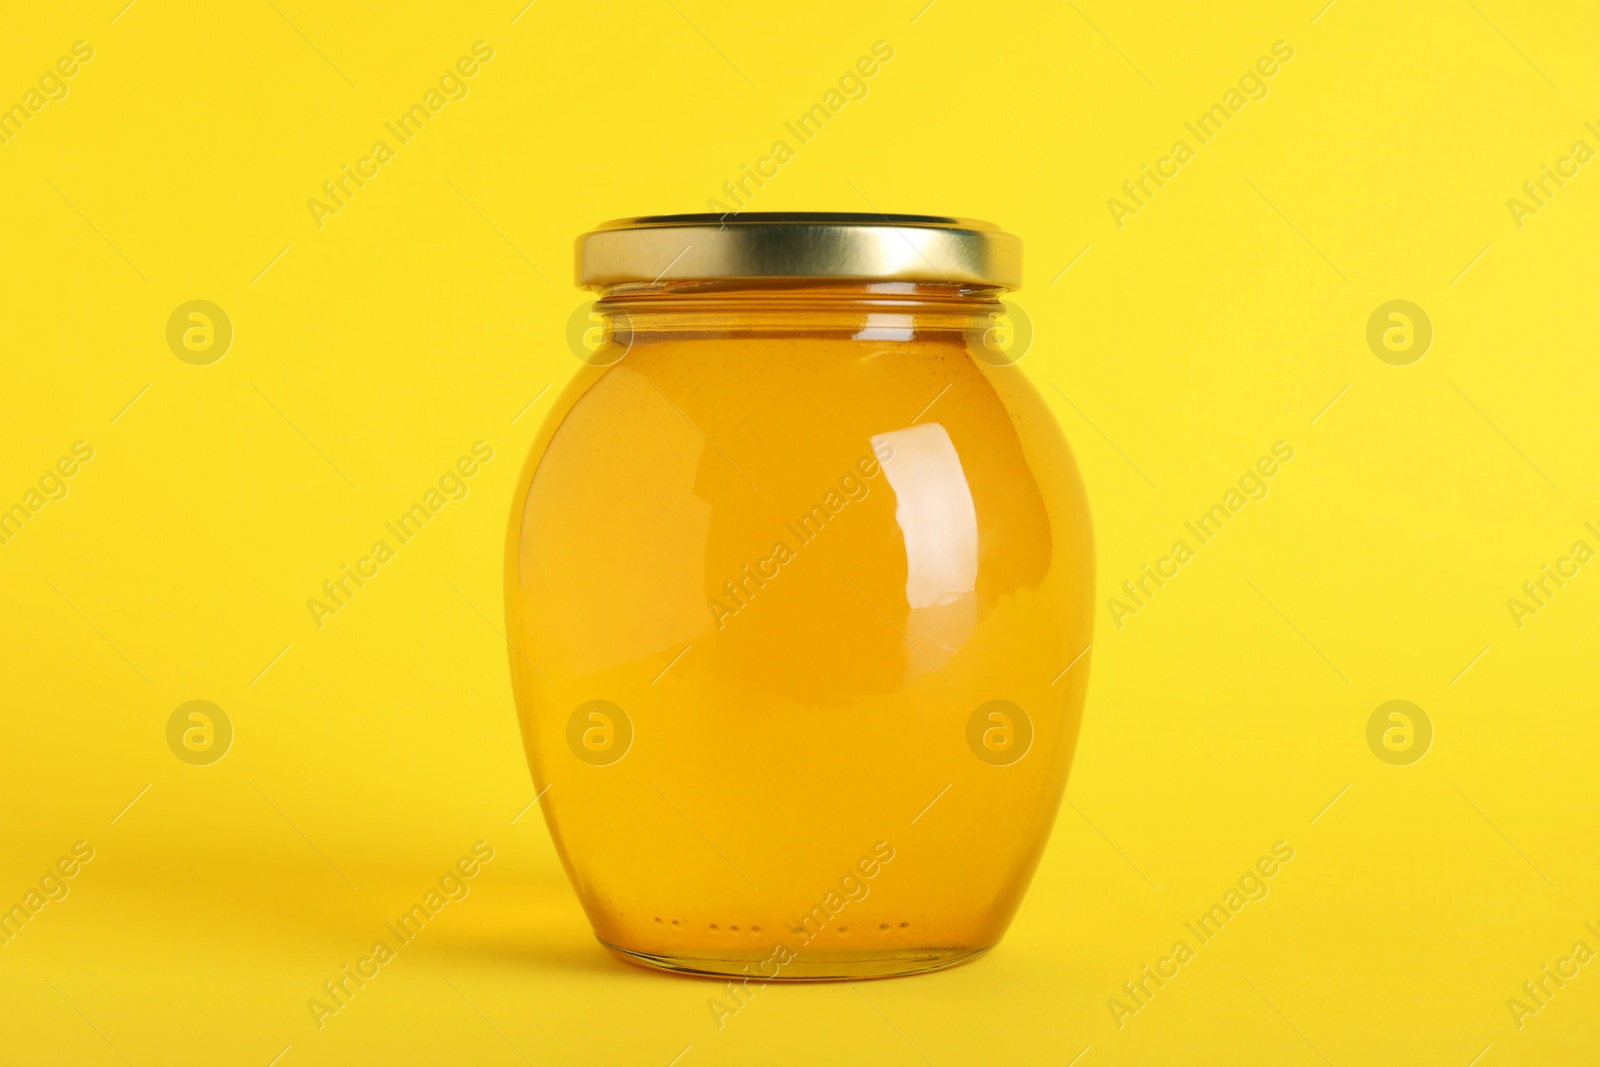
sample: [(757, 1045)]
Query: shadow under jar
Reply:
[(796, 569)]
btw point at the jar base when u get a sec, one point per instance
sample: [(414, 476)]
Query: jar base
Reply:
[(805, 967)]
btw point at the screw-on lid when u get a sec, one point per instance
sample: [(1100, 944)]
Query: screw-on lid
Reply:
[(799, 245)]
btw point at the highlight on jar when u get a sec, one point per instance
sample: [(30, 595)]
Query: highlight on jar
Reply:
[(792, 571)]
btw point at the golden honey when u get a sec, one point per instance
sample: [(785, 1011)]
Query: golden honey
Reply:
[(794, 582)]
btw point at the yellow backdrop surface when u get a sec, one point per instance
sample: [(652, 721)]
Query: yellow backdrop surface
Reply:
[(178, 510)]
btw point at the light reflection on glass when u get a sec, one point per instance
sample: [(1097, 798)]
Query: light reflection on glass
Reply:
[(939, 525)]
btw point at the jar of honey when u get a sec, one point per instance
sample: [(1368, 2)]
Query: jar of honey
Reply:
[(799, 584)]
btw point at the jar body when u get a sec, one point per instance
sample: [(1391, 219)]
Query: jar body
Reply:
[(791, 613)]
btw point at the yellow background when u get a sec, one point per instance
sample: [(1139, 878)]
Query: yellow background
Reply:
[(430, 311)]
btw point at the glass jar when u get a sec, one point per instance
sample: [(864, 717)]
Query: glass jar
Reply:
[(799, 585)]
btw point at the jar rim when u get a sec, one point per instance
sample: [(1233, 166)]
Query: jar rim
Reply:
[(800, 246)]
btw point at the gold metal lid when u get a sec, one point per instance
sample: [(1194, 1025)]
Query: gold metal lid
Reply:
[(799, 245)]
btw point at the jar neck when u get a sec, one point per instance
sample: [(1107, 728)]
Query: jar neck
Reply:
[(831, 308)]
